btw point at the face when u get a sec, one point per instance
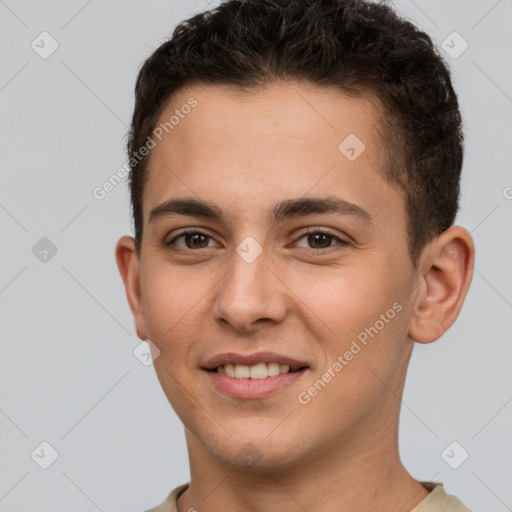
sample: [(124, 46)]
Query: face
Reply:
[(287, 248)]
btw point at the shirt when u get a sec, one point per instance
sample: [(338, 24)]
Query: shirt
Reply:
[(436, 501)]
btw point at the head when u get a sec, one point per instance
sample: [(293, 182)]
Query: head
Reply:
[(315, 148)]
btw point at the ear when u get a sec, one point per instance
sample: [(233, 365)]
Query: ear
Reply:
[(446, 271), (129, 268)]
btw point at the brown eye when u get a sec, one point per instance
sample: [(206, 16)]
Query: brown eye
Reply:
[(320, 239), (191, 240), (196, 240)]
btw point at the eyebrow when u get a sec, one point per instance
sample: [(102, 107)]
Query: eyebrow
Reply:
[(286, 209)]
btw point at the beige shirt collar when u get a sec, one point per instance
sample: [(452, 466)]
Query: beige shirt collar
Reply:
[(436, 501)]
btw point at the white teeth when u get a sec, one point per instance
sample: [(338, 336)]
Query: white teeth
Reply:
[(242, 371), (230, 370), (257, 371), (273, 369)]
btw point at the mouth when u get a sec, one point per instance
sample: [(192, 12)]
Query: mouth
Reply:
[(259, 365), (253, 376), (257, 371)]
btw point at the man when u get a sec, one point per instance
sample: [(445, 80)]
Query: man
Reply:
[(295, 174)]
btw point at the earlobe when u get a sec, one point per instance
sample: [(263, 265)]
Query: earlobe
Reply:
[(447, 270), (129, 268)]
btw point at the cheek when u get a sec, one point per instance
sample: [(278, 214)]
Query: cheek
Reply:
[(360, 317), (355, 379), (169, 299), (347, 300), (173, 324), (177, 308)]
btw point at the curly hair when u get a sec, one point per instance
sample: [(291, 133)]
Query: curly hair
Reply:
[(355, 46)]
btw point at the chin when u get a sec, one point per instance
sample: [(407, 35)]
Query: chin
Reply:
[(258, 454)]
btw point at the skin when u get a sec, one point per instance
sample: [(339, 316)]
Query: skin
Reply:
[(305, 297)]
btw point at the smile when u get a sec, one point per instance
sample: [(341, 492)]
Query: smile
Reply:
[(257, 371), (253, 376)]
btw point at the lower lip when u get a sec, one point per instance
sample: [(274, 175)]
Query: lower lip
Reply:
[(253, 388)]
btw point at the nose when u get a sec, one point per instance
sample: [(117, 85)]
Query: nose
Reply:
[(250, 295)]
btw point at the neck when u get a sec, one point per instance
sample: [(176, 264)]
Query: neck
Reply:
[(367, 476)]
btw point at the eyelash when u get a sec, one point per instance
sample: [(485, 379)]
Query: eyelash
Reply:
[(309, 231)]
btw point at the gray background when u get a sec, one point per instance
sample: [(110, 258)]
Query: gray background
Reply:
[(68, 373)]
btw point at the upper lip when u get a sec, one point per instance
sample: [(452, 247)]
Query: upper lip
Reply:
[(252, 359)]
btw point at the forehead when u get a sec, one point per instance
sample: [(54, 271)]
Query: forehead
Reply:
[(243, 117), (258, 145)]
